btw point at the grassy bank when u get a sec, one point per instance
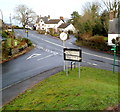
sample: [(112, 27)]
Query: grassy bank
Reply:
[(95, 90)]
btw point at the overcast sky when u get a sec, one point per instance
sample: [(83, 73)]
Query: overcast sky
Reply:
[(54, 8)]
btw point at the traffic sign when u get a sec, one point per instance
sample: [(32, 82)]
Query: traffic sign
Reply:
[(63, 36), (72, 54)]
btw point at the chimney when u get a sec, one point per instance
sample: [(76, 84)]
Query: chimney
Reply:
[(112, 15), (48, 17)]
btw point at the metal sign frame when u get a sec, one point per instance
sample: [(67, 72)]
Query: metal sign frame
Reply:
[(78, 56)]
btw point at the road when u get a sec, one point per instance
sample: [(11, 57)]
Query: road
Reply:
[(48, 54)]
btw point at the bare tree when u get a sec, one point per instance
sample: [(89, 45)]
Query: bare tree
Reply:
[(24, 15), (113, 5)]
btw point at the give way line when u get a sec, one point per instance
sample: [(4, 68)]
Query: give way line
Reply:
[(83, 52)]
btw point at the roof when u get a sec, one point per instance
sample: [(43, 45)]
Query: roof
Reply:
[(64, 25), (45, 19), (114, 26), (53, 21)]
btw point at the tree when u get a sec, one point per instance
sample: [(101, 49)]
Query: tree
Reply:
[(24, 15), (105, 22), (90, 21), (74, 15), (113, 5)]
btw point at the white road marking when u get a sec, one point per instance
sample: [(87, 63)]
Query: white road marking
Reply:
[(82, 52), (70, 42), (45, 57), (33, 56), (99, 56), (86, 52), (94, 64), (47, 50), (53, 43), (89, 63)]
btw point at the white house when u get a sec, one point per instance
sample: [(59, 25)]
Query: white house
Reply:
[(45, 23), (40, 23), (67, 27), (54, 24), (114, 28)]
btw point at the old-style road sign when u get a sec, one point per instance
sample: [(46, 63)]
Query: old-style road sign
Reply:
[(72, 55)]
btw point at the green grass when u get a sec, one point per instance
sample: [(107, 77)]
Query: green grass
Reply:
[(105, 38), (95, 90)]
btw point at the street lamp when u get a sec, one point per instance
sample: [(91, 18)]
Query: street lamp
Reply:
[(2, 23), (11, 27)]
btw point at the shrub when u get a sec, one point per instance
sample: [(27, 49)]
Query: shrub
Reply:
[(86, 35), (98, 39), (51, 31), (27, 41), (41, 31), (4, 34)]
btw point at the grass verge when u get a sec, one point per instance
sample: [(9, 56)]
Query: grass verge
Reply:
[(95, 90)]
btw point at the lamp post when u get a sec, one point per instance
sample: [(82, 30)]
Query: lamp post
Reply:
[(2, 23), (11, 23)]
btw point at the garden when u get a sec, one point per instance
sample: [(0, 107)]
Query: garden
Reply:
[(11, 47)]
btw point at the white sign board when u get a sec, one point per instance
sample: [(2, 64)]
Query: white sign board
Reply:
[(110, 37), (72, 54), (113, 30), (63, 36)]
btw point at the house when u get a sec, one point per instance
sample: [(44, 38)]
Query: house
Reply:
[(113, 30), (47, 25), (41, 23), (54, 24), (67, 27)]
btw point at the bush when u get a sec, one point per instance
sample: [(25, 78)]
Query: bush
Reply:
[(4, 34), (51, 31), (98, 39), (27, 41), (41, 31), (86, 35)]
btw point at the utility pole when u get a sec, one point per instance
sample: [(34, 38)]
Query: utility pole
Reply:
[(11, 22), (27, 23), (10, 19)]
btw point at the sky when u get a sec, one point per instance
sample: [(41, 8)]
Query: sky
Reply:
[(54, 8)]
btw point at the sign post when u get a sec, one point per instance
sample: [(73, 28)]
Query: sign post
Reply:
[(73, 55), (114, 62), (63, 37), (79, 70)]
